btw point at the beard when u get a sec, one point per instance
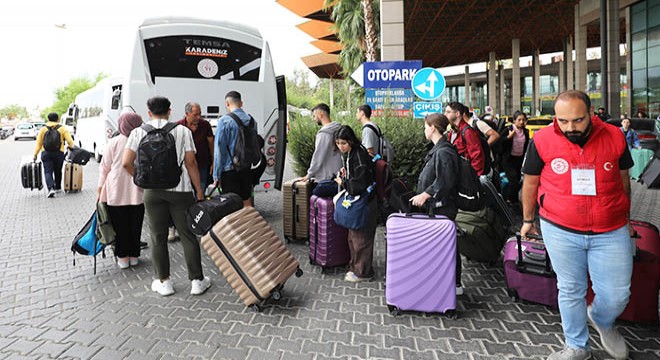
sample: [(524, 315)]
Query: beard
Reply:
[(579, 137)]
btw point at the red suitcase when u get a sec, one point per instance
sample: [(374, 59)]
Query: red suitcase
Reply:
[(644, 285), (648, 238)]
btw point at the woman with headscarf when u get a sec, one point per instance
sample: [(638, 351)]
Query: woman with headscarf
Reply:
[(124, 198)]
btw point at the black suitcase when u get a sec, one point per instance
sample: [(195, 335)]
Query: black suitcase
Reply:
[(203, 215), (31, 176), (495, 201), (651, 175)]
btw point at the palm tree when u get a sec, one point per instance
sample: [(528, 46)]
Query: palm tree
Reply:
[(357, 30)]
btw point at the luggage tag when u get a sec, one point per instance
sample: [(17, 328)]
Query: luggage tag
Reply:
[(583, 180)]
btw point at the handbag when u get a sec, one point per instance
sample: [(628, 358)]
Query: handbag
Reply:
[(326, 188), (351, 211)]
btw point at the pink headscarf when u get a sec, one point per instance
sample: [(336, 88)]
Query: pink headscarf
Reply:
[(128, 122)]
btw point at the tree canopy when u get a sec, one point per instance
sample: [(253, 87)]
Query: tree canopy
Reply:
[(14, 111), (65, 95)]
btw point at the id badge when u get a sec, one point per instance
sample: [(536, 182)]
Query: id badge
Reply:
[(583, 180)]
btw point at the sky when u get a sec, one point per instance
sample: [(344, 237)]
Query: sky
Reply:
[(45, 44)]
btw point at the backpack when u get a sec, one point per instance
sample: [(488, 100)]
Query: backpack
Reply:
[(470, 196), (385, 149), (488, 162), (247, 153), (52, 138), (482, 236), (157, 164), (86, 242)]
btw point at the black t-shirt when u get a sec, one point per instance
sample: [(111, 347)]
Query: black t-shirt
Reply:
[(533, 164)]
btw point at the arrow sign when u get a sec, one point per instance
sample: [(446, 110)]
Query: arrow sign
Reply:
[(428, 84), (358, 75)]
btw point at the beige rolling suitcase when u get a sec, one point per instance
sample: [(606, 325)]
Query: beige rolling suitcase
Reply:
[(250, 256), (295, 209), (73, 177)]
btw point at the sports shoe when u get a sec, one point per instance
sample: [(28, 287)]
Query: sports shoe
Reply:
[(351, 277), (134, 261), (164, 288), (58, 191), (569, 353), (51, 194), (123, 263), (173, 235), (459, 290), (610, 339), (198, 287)]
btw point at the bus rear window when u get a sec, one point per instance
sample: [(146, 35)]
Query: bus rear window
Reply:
[(202, 57)]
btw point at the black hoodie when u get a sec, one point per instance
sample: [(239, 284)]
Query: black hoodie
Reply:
[(439, 178)]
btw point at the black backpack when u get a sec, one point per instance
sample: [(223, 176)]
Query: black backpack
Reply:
[(488, 162), (385, 149), (157, 164), (247, 153), (470, 195), (52, 138)]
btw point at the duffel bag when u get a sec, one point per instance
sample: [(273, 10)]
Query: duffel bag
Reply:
[(203, 215)]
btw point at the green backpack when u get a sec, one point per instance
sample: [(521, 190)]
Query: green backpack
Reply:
[(481, 236)]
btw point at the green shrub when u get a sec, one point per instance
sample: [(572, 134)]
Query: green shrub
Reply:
[(405, 134)]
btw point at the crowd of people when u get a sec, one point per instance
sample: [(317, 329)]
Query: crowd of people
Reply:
[(572, 174)]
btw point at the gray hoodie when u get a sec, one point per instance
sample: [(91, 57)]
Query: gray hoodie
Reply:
[(326, 160)]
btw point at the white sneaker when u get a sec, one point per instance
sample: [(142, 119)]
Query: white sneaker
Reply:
[(172, 235), (58, 191), (198, 287), (51, 194), (459, 290), (164, 288), (123, 263), (134, 261)]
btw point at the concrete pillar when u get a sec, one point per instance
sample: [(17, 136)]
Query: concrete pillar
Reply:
[(561, 74), (613, 59), (502, 96), (467, 86), (536, 82), (492, 85), (627, 107), (515, 75), (568, 58), (580, 52), (392, 40), (332, 93)]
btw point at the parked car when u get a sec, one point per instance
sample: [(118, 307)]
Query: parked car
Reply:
[(648, 131), (3, 134), (537, 123), (9, 129), (38, 125), (25, 130)]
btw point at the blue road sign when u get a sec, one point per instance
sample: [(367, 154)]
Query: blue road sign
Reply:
[(428, 84), (390, 74), (395, 99), (421, 109)]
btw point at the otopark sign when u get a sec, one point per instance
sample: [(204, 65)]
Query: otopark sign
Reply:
[(387, 84)]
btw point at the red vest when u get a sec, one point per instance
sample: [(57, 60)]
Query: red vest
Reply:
[(606, 211)]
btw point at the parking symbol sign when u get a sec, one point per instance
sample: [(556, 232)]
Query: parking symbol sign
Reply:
[(428, 84)]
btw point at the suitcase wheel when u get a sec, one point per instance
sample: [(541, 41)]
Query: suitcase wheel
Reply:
[(513, 294), (255, 308), (299, 272), (451, 314), (276, 295), (394, 311)]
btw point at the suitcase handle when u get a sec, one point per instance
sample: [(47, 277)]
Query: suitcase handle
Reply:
[(520, 262)]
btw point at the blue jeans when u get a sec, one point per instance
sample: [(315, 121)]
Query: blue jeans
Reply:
[(53, 161), (607, 259)]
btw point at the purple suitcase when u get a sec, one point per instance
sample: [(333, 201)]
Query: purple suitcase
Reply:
[(531, 279), (328, 242), (421, 264)]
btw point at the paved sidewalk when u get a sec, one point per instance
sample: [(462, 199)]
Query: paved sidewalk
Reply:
[(50, 309)]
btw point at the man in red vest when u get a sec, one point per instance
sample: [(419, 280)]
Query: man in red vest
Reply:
[(576, 170)]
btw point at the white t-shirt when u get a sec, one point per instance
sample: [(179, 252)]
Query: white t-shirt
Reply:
[(369, 137), (184, 143)]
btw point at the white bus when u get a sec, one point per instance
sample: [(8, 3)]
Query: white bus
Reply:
[(189, 59)]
